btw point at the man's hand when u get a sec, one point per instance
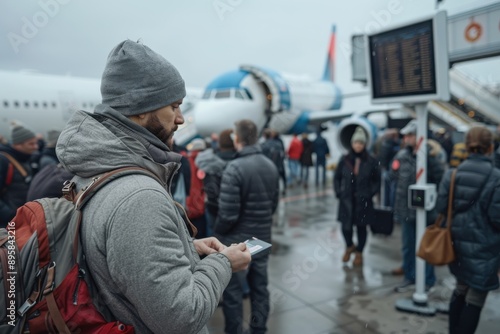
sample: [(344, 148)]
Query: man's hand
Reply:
[(238, 255), (208, 246)]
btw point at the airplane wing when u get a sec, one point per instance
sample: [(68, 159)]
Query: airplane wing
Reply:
[(318, 117)]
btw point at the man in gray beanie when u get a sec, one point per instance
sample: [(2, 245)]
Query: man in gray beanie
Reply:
[(20, 135), (15, 171), (139, 248)]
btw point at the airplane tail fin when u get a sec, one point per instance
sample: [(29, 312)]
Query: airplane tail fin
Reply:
[(328, 75)]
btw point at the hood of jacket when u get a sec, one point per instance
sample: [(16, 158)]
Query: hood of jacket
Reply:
[(209, 162), (95, 143), (249, 150), (434, 147)]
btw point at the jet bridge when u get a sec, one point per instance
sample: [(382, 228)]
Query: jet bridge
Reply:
[(276, 87), (447, 113)]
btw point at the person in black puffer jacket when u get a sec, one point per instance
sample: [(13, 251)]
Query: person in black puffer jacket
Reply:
[(248, 198), (475, 230)]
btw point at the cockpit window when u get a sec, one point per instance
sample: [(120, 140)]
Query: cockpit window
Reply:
[(238, 95), (207, 94), (241, 94), (223, 94)]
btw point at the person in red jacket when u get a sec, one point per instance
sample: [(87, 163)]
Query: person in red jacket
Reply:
[(195, 200), (294, 153)]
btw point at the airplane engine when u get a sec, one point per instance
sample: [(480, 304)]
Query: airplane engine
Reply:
[(346, 129)]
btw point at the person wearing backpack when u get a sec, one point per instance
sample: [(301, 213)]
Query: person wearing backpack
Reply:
[(15, 171), (195, 200), (181, 182), (212, 163), (148, 269)]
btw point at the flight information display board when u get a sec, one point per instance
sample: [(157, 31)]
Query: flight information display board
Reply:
[(408, 64)]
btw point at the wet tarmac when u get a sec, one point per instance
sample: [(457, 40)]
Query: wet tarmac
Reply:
[(314, 292)]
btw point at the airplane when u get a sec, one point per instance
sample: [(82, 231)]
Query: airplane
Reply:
[(287, 103)]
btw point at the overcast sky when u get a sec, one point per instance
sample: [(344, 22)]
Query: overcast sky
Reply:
[(204, 38)]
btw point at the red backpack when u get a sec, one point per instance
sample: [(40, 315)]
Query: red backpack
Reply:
[(43, 280), (195, 200)]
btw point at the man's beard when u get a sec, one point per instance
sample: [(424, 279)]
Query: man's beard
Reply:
[(156, 128)]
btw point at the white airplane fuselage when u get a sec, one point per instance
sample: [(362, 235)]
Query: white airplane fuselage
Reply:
[(43, 102)]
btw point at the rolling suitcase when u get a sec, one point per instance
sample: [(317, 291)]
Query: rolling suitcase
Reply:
[(383, 223)]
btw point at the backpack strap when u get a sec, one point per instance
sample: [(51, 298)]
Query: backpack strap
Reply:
[(82, 197), (10, 175), (16, 164), (10, 171), (99, 181), (54, 311), (8, 179)]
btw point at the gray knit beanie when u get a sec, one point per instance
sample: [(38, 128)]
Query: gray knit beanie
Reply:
[(137, 80), (20, 134), (359, 135)]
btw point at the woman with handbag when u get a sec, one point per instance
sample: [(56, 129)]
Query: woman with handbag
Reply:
[(475, 230), (356, 181)]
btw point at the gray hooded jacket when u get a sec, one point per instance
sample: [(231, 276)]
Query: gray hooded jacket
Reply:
[(138, 248)]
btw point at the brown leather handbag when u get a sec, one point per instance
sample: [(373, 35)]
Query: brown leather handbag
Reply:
[(436, 246)]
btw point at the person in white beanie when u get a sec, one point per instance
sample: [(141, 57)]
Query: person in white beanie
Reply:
[(356, 181)]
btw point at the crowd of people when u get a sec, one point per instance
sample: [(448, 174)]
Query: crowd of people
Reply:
[(211, 196)]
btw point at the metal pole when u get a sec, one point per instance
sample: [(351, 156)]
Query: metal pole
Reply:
[(420, 296)]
